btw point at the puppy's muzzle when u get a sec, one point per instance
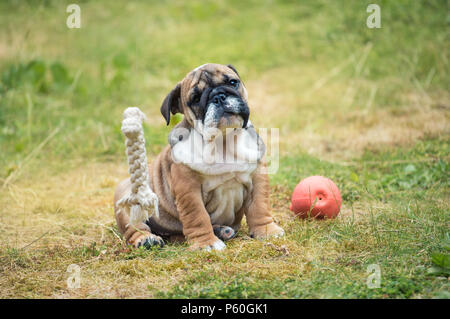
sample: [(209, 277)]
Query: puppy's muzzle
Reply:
[(229, 101)]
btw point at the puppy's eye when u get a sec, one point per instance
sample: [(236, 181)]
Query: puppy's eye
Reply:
[(234, 82), (196, 98)]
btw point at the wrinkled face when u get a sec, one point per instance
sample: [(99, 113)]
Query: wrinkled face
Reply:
[(212, 94)]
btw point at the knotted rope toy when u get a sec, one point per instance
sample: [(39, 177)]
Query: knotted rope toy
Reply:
[(141, 198)]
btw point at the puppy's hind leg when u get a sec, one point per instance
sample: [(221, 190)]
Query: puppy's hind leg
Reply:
[(135, 235), (224, 233)]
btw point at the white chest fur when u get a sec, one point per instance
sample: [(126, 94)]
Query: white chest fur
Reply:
[(227, 170), (224, 195)]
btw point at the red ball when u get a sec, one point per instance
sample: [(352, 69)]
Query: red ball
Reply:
[(317, 194)]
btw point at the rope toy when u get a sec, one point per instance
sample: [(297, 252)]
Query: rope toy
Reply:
[(141, 199)]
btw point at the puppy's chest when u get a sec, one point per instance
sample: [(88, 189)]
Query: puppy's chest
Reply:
[(224, 195)]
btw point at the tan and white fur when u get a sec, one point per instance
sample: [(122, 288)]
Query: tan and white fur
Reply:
[(211, 174)]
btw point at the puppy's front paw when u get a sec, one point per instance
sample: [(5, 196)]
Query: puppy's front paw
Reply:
[(213, 244), (217, 245), (147, 240), (265, 231)]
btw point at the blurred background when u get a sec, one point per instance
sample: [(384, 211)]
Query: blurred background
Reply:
[(312, 68), (367, 107)]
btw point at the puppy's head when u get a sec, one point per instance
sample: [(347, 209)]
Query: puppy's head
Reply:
[(212, 95)]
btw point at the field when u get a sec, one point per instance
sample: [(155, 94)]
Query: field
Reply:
[(368, 108)]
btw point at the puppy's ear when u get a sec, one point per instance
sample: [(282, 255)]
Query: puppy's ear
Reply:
[(172, 103), (233, 68)]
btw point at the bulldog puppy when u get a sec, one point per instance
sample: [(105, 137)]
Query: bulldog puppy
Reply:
[(212, 172)]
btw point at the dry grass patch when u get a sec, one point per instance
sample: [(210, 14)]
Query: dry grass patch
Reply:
[(50, 221), (327, 121)]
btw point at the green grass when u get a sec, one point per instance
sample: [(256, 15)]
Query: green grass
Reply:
[(399, 238), (368, 108)]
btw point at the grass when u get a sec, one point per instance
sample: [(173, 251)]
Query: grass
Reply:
[(368, 108)]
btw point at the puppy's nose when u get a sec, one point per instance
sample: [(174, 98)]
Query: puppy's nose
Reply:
[(222, 97), (219, 98)]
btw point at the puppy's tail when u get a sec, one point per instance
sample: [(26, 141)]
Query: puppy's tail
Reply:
[(141, 199)]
